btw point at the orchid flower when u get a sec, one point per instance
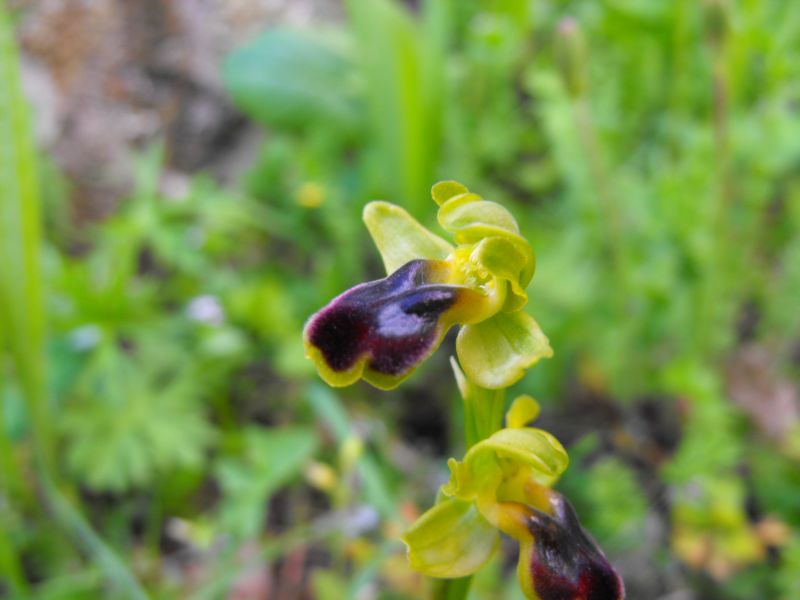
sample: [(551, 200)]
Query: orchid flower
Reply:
[(504, 484), (382, 330)]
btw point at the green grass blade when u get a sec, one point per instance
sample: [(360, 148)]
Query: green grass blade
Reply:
[(21, 308), (22, 317)]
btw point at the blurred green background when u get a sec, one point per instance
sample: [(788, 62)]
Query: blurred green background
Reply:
[(181, 183)]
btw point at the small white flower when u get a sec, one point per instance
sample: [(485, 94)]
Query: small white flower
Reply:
[(206, 309)]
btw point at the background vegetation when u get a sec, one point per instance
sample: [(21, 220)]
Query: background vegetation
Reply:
[(162, 435)]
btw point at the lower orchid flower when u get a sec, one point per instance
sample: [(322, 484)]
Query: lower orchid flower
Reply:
[(504, 485)]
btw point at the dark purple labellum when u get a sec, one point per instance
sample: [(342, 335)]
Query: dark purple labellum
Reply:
[(395, 322), (567, 564)]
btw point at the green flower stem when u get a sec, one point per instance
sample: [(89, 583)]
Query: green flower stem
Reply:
[(483, 416), (451, 589)]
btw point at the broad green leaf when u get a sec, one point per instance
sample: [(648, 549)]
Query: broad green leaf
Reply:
[(495, 353), (451, 539), (400, 238), (289, 79)]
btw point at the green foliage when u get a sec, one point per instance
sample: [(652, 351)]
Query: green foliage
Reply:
[(270, 459), (618, 506), (650, 152), (401, 60), (22, 325), (776, 481), (21, 300), (289, 79), (787, 576), (711, 445), (390, 90), (329, 585), (130, 423)]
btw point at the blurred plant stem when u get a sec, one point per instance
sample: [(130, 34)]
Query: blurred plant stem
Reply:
[(717, 40), (328, 409), (573, 58), (611, 216), (22, 317), (11, 567), (10, 564), (680, 88)]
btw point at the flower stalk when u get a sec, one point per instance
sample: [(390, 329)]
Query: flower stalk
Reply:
[(381, 330)]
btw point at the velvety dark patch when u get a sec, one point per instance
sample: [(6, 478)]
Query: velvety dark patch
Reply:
[(393, 320), (567, 564)]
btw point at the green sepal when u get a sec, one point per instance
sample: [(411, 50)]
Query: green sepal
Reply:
[(400, 238), (444, 190), (452, 539), (523, 411), (470, 218), (495, 353), (525, 453)]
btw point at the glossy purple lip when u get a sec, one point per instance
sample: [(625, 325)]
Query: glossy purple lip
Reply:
[(395, 322), (567, 564)]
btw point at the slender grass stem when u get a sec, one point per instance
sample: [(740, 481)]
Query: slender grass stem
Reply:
[(22, 307), (450, 589), (611, 217), (10, 567), (718, 268)]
